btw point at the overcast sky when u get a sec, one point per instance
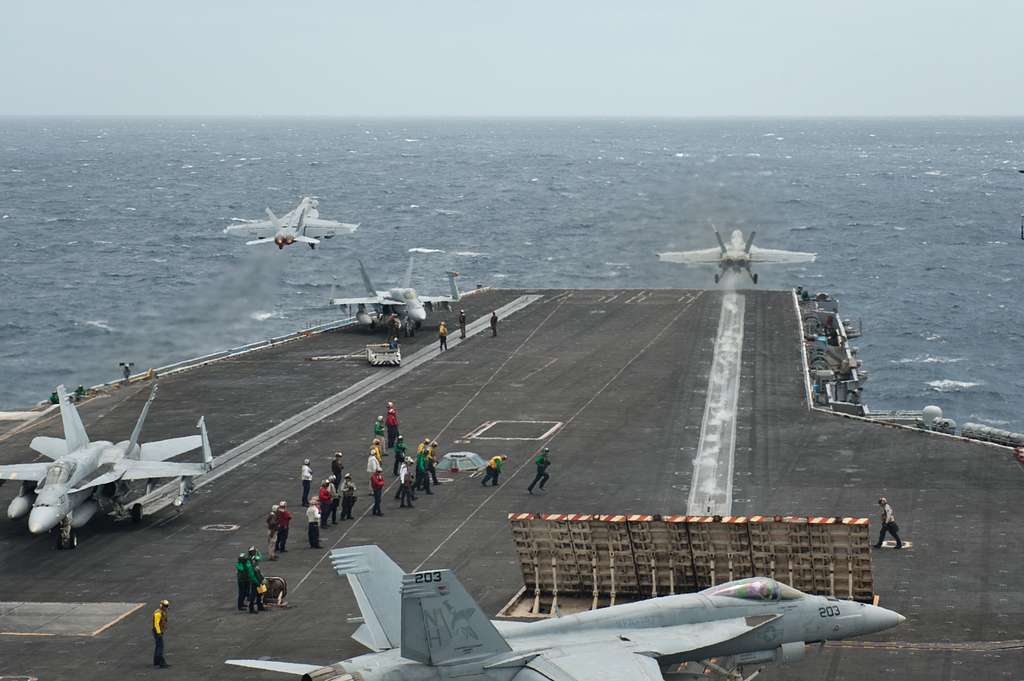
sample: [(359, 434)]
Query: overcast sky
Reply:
[(522, 58)]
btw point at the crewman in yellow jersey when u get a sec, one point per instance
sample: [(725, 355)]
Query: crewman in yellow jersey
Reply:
[(159, 627)]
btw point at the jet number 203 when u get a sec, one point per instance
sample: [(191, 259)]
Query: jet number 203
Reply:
[(422, 577), (830, 611)]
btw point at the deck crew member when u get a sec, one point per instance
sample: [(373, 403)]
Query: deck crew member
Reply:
[(542, 461), (375, 450), (432, 462), (335, 487), (888, 524), (258, 588), (462, 324), (348, 497), (307, 480), (494, 324), (284, 518), (159, 627), (378, 426), (242, 576), (399, 454), (313, 521), (326, 499), (442, 335), (338, 465), (493, 470), (391, 423), (372, 464), (422, 476), (272, 532), (405, 484), (377, 487)]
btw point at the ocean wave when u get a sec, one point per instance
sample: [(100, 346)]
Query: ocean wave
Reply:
[(471, 254), (927, 359), (262, 316), (420, 249), (950, 386), (991, 422), (100, 324), (445, 211)]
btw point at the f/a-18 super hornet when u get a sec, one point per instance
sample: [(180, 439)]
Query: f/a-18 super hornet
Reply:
[(301, 224), (425, 627), (736, 256), (84, 476), (402, 303)]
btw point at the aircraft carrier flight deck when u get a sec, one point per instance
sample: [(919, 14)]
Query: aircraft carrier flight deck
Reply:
[(615, 382)]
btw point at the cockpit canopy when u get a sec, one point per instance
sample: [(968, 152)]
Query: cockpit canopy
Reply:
[(755, 589), (58, 473), (410, 294)]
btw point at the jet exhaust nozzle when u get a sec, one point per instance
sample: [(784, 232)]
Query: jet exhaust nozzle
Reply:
[(331, 673)]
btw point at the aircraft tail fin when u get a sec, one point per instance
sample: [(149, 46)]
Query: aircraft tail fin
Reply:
[(454, 287), (50, 447), (74, 432), (205, 437), (442, 624), (134, 452), (750, 241), (376, 582), (370, 288), (721, 244)]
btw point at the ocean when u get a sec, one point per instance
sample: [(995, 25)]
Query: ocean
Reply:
[(113, 250)]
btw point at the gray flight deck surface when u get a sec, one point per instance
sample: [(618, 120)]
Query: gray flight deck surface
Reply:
[(626, 372)]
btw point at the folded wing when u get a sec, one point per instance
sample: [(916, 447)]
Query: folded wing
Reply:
[(261, 229)]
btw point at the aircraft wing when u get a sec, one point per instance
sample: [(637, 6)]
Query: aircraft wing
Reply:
[(294, 668), (683, 638), (436, 299), (145, 470), (362, 301), (608, 661), (260, 229), (24, 471), (706, 256), (771, 255), (315, 227)]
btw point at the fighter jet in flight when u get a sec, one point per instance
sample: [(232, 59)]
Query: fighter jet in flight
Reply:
[(302, 224), (425, 626), (84, 474), (735, 256), (403, 302)]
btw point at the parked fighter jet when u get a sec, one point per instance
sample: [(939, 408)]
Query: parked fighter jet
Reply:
[(302, 224), (410, 308), (83, 474), (736, 256), (424, 626)]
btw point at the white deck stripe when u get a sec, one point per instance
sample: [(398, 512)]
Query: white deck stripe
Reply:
[(250, 449), (711, 488)]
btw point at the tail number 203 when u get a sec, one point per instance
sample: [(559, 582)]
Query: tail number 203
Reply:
[(424, 577)]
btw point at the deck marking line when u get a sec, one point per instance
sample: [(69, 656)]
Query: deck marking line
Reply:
[(529, 459), (711, 487), (116, 620)]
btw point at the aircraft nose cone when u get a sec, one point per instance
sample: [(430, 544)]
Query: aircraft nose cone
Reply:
[(880, 619), (42, 519), (418, 314)]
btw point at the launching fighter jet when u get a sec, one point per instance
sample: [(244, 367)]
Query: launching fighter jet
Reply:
[(736, 256), (84, 474), (424, 626), (409, 307), (302, 224)]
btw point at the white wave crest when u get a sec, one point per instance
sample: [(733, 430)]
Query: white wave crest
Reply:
[(420, 249), (100, 324), (471, 254), (949, 386), (927, 359)]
